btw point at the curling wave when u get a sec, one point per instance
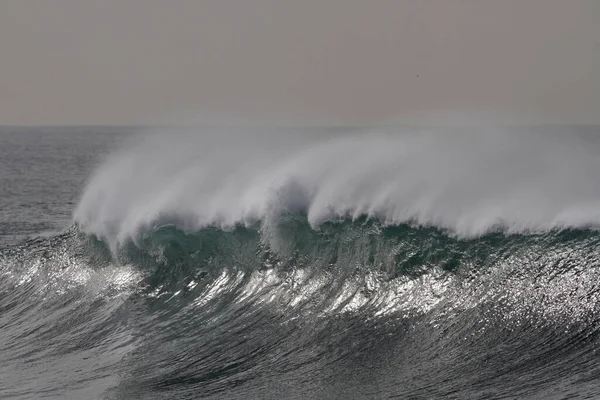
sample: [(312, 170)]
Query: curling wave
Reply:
[(468, 183), (230, 265), (406, 311)]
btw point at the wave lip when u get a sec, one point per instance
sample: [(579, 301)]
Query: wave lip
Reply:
[(468, 183)]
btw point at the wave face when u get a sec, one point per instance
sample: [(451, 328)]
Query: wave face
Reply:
[(342, 265), (353, 310)]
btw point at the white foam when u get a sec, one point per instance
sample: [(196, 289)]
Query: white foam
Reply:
[(467, 182)]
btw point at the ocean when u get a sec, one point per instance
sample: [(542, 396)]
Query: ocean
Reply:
[(301, 263)]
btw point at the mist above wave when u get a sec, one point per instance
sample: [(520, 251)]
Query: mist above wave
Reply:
[(468, 182)]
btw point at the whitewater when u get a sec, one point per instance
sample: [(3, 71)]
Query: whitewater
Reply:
[(468, 183), (347, 262)]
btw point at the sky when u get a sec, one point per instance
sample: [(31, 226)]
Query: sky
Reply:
[(118, 62)]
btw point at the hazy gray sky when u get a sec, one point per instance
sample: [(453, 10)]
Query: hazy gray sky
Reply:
[(137, 61)]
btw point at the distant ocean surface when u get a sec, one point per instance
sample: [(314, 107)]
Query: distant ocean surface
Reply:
[(304, 263)]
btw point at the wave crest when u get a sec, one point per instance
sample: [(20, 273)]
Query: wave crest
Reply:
[(467, 182)]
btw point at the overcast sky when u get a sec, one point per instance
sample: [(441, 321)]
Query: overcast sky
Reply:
[(140, 61)]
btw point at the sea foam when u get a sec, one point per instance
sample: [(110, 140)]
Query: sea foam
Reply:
[(467, 182)]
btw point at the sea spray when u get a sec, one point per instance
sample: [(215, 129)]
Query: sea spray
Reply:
[(467, 182)]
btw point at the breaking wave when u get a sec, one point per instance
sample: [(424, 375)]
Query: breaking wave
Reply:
[(468, 183), (236, 265)]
